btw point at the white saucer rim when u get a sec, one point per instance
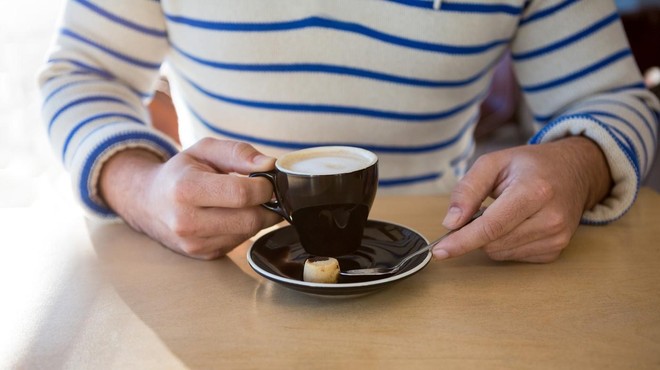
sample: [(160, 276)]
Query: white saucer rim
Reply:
[(368, 283)]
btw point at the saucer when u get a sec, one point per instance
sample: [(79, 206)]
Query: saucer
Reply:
[(279, 257)]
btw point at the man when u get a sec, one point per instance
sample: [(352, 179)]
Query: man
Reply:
[(403, 78)]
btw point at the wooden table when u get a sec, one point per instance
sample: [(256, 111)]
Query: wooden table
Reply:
[(86, 295)]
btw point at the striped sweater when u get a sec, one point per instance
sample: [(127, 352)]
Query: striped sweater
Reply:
[(403, 78)]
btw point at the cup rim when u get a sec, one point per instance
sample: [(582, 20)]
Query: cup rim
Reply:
[(373, 159)]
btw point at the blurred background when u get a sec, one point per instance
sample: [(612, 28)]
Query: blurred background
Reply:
[(28, 169), (29, 172)]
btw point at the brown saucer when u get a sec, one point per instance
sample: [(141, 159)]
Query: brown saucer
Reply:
[(279, 257)]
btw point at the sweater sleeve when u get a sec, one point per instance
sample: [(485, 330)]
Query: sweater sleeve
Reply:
[(579, 77), (99, 75)]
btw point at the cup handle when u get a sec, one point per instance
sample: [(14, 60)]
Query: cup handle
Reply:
[(273, 205)]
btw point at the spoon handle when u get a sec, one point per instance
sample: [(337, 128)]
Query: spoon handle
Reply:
[(435, 242)]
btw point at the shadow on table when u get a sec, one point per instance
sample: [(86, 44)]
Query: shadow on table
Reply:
[(204, 310)]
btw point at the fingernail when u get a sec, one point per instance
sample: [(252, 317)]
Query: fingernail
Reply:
[(440, 254), (453, 215), (261, 159)]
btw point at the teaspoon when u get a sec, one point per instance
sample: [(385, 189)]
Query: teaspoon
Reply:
[(379, 271)]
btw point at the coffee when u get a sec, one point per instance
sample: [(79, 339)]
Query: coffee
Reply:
[(325, 162), (326, 194)]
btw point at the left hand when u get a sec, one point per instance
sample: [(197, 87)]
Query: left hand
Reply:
[(540, 193)]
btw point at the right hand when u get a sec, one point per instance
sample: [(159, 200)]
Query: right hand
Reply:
[(195, 203)]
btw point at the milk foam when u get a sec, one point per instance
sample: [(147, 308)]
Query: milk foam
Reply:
[(324, 162)]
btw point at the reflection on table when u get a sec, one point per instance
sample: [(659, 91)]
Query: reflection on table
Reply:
[(89, 295)]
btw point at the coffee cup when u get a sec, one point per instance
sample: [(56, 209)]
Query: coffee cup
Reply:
[(326, 193)]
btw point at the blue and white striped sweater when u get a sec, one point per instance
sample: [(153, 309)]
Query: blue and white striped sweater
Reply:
[(403, 78)]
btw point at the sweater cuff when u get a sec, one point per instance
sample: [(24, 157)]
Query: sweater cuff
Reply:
[(621, 158), (98, 147)]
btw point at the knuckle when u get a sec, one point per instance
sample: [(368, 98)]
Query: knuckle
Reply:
[(463, 190), (179, 194), (182, 190), (553, 257), (241, 149), (562, 240), (236, 192), (254, 222), (239, 225), (181, 229), (543, 191), (499, 255), (241, 194), (212, 255), (555, 222), (218, 254), (493, 229), (246, 226), (485, 160), (205, 142), (493, 248), (547, 258), (193, 248), (182, 225)]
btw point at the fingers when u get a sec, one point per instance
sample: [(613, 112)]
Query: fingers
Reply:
[(208, 248), (211, 233), (547, 245), (542, 258), (553, 230), (526, 243), (539, 239), (199, 203), (538, 251), (514, 206), (471, 191), (211, 206), (515, 227), (210, 222), (497, 221), (465, 199), (208, 189), (206, 177), (230, 156)]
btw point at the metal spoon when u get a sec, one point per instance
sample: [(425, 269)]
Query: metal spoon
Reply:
[(379, 271)]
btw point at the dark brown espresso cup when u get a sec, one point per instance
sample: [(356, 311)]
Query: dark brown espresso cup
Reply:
[(326, 193)]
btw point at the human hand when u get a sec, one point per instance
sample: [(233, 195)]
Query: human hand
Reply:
[(195, 203), (540, 193)]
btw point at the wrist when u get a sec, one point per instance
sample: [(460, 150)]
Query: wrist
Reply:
[(124, 175), (592, 168)]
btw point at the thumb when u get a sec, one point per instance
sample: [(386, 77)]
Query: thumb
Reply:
[(231, 156)]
